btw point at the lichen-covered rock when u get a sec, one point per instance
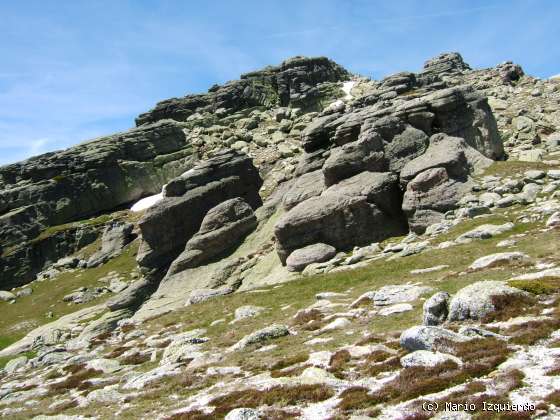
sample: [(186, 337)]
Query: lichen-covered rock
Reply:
[(480, 299), (423, 337), (436, 309), (260, 336), (428, 359)]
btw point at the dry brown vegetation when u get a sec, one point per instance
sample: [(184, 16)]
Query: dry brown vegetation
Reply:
[(338, 363), (507, 306), (78, 379), (280, 396), (530, 332), (355, 398), (136, 359)]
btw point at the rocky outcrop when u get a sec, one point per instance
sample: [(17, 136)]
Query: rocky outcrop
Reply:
[(223, 227), (100, 175), (357, 211), (365, 154), (297, 82), (94, 177), (438, 179), (168, 226)]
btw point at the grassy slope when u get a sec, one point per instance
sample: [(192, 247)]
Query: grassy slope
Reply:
[(30, 312)]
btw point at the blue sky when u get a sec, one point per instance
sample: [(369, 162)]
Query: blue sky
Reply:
[(71, 70)]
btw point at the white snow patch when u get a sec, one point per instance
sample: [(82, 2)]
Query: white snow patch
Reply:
[(347, 87), (556, 76), (147, 202)]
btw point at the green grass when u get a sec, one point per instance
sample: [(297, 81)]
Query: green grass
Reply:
[(4, 360), (30, 311), (513, 167)]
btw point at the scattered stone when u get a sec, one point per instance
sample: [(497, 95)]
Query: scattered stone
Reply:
[(6, 296), (336, 324), (27, 291), (534, 175), (554, 220), (424, 358), (248, 311), (202, 295), (316, 253), (472, 331), (477, 300), (260, 336), (392, 294), (243, 414), (436, 309), (184, 347), (15, 364), (329, 295), (551, 273), (105, 365), (429, 269), (485, 232), (499, 259), (506, 243), (423, 337), (395, 309), (534, 155)]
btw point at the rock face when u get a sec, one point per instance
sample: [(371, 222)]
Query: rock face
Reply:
[(357, 211), (308, 185), (223, 227), (166, 230), (438, 179), (294, 83), (59, 187), (21, 264), (114, 239), (480, 299)]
